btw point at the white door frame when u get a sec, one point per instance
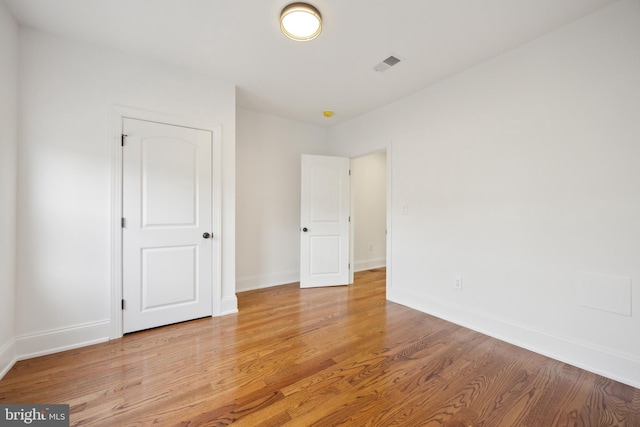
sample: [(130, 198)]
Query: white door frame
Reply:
[(118, 113)]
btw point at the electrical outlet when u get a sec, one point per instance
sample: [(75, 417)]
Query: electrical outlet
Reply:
[(457, 283)]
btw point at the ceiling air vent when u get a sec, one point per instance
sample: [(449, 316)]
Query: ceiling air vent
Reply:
[(387, 63)]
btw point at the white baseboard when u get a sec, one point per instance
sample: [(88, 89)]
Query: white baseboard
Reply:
[(249, 283), (229, 305), (53, 341), (369, 264), (617, 366), (8, 357)]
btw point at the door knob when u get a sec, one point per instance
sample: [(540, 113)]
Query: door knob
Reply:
[(206, 235), (305, 229)]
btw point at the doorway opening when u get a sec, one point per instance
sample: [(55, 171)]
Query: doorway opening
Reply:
[(369, 211)]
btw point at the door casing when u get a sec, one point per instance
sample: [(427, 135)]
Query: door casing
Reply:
[(118, 113)]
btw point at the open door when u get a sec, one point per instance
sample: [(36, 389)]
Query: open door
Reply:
[(325, 225)]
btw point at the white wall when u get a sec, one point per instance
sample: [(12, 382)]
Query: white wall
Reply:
[(521, 176), (8, 186), (369, 210), (66, 92), (268, 196)]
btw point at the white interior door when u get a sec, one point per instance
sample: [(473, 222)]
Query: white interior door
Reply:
[(167, 209), (325, 227)]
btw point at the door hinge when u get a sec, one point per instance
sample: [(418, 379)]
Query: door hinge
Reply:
[(122, 137), (349, 266), (123, 304), (349, 219), (122, 222), (349, 172)]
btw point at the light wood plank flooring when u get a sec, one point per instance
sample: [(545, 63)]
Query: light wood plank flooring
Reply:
[(319, 357)]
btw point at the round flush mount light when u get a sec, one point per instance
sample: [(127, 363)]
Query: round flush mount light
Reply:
[(300, 22)]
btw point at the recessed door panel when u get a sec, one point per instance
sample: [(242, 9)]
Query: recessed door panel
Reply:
[(325, 255), (169, 166), (169, 276), (325, 193)]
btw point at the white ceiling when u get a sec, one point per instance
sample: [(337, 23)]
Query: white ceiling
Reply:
[(239, 41)]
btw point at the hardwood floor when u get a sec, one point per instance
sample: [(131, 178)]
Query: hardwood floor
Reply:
[(323, 357)]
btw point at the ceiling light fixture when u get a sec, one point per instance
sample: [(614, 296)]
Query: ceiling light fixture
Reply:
[(300, 22)]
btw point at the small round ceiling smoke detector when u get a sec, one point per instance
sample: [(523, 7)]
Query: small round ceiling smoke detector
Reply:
[(300, 22)]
